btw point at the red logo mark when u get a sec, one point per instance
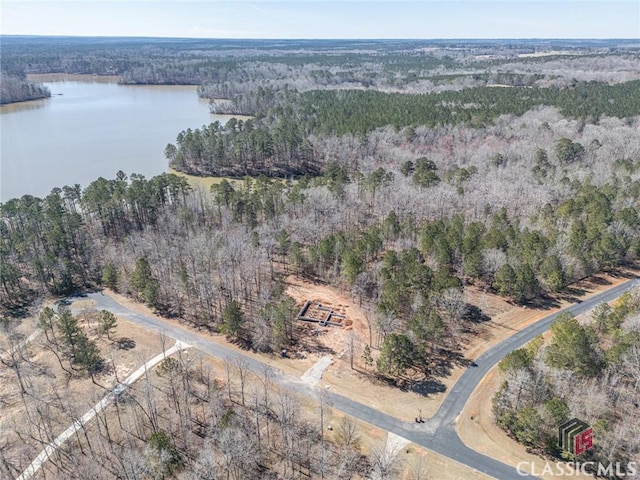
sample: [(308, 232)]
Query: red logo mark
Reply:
[(583, 441)]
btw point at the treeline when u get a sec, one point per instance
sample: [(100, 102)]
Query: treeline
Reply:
[(280, 140), (218, 62), (588, 369), (357, 111), (49, 244), (14, 88)]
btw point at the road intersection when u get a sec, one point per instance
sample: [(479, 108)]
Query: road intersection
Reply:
[(438, 433)]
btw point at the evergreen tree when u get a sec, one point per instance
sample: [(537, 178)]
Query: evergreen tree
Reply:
[(87, 355), (232, 320), (527, 285), (568, 151), (110, 276), (165, 458), (69, 329), (425, 173), (107, 322), (396, 355), (141, 275), (144, 284), (552, 273), (151, 293), (366, 356), (46, 321), (505, 280), (573, 347)]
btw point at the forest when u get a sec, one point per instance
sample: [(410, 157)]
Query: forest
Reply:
[(523, 221), (597, 360), (400, 176), (278, 141)]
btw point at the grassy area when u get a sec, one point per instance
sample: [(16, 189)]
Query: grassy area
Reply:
[(206, 182)]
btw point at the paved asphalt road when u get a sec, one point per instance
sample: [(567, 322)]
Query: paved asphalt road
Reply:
[(437, 434)]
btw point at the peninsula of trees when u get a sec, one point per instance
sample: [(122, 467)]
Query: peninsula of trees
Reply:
[(16, 88)]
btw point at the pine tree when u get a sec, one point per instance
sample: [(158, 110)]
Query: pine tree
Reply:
[(366, 356), (107, 322), (232, 320), (110, 276), (69, 329), (87, 354), (141, 275)]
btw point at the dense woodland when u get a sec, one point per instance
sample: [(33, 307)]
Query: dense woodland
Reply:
[(399, 192), (281, 139), (589, 369)]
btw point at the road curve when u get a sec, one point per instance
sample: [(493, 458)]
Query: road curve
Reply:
[(439, 433), (443, 423)]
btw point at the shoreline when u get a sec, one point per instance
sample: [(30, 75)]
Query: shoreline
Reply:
[(26, 102), (71, 77)]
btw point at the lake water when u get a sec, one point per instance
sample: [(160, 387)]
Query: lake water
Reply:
[(94, 128)]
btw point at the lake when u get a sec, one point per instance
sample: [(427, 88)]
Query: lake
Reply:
[(92, 127)]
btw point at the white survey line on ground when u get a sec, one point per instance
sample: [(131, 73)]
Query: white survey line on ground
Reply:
[(98, 407)]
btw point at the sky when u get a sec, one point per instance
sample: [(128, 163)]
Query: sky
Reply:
[(422, 19)]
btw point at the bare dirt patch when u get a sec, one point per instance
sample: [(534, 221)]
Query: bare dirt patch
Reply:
[(360, 384), (320, 293)]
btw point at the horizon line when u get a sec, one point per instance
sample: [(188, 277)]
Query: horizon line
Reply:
[(309, 38)]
